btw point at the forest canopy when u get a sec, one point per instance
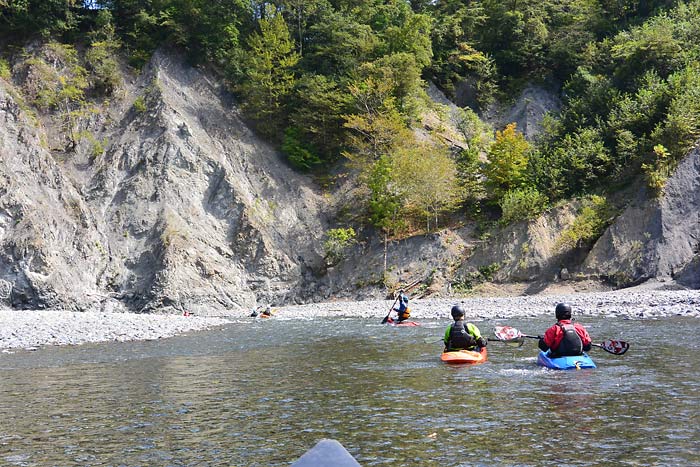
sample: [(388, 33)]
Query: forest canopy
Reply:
[(331, 80)]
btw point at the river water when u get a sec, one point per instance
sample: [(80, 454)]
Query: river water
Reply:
[(262, 392)]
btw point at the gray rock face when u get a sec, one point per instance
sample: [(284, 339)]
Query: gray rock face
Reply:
[(525, 251), (652, 238), (185, 208), (526, 112), (50, 248), (655, 238), (181, 207)]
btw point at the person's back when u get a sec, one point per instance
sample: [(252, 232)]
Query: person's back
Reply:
[(565, 338), (461, 335)]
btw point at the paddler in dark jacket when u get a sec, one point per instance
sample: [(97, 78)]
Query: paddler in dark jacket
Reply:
[(402, 312), (565, 338), (460, 335)]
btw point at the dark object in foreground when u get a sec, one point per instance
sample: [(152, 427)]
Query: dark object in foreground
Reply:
[(327, 453)]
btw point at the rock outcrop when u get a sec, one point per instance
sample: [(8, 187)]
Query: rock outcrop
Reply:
[(655, 238), (185, 208), (164, 199), (527, 111)]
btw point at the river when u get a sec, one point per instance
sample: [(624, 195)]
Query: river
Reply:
[(262, 392)]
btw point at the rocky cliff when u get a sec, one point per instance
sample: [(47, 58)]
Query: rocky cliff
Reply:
[(162, 198), (655, 238), (183, 207)]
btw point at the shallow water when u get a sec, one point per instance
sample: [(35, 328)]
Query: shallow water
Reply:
[(260, 393)]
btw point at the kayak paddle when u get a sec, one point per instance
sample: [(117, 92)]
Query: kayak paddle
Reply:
[(507, 333), (386, 318)]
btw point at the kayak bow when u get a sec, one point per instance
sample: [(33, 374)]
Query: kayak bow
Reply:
[(465, 356)]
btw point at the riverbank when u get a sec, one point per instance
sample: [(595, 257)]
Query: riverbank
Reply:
[(625, 304), (29, 329), (26, 329)]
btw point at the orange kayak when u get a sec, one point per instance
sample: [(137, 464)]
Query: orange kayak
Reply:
[(465, 356)]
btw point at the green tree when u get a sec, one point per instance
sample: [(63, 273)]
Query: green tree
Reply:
[(384, 200), (522, 204), (301, 155), (298, 14), (427, 180), (338, 44), (680, 128), (399, 73), (317, 109), (507, 161), (411, 36), (577, 163), (47, 18), (208, 30), (337, 243), (517, 34), (270, 61), (377, 128), (384, 196)]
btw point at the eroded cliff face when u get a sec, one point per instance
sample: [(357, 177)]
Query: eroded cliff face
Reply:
[(184, 207), (650, 238), (655, 238), (163, 199), (49, 241)]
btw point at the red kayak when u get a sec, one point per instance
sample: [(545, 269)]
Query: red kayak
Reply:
[(465, 356), (402, 323)]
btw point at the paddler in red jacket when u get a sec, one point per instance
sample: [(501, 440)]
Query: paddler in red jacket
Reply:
[(565, 338)]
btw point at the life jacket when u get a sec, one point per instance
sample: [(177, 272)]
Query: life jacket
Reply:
[(403, 312), (570, 344), (460, 337)]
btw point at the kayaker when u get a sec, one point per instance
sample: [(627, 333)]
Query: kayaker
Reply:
[(565, 338), (460, 335), (402, 312), (267, 311)]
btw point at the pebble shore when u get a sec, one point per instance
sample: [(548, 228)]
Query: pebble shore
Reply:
[(26, 329)]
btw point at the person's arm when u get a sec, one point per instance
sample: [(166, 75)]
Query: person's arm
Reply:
[(446, 337), (585, 337), (476, 334), (545, 343)]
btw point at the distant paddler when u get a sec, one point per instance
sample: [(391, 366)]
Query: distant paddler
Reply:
[(266, 313)]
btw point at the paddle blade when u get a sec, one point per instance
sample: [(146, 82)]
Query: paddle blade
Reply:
[(615, 347), (507, 333)]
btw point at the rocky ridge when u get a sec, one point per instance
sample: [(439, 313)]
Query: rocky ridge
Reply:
[(181, 207)]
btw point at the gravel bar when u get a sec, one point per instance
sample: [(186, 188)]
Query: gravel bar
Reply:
[(28, 329)]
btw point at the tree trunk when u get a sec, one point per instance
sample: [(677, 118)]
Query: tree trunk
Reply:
[(386, 249)]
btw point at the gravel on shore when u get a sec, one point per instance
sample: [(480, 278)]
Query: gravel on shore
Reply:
[(27, 329)]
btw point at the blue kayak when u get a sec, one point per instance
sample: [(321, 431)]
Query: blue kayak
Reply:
[(565, 363)]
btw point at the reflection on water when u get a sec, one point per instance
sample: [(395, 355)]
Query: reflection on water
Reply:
[(229, 398)]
